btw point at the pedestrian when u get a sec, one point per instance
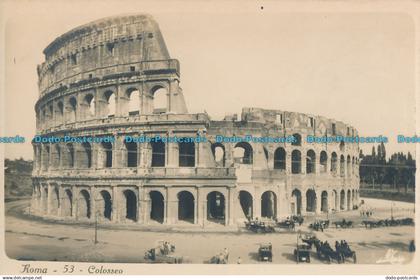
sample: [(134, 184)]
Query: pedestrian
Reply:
[(226, 251), (239, 261)]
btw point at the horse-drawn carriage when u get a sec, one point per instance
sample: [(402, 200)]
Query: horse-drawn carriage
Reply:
[(325, 252), (343, 224), (163, 253), (320, 225), (259, 226), (297, 219), (344, 249), (265, 253), (286, 224)]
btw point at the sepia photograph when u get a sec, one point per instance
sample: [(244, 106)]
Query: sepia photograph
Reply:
[(175, 134)]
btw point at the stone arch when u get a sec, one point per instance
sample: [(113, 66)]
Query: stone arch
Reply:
[(84, 205), (130, 205), (296, 162), (216, 207), (158, 153), (269, 205), (157, 207), (243, 153), (84, 157), (323, 159), (45, 156), (342, 146), (131, 154), (186, 206), (159, 94), (333, 163), (105, 155), (349, 204), (342, 163), (246, 202), (133, 96), (60, 115), (68, 159), (280, 158), (352, 166), (310, 161), (342, 199), (296, 202), (324, 202), (298, 139), (219, 153), (111, 100), (348, 166), (56, 156), (104, 205), (55, 201), (335, 197), (186, 154), (311, 200), (89, 102), (67, 204), (72, 109)]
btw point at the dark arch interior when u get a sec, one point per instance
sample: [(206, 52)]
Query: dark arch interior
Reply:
[(269, 205), (245, 199), (158, 153), (157, 207), (216, 207), (186, 206), (130, 205), (107, 205), (298, 196), (310, 201)]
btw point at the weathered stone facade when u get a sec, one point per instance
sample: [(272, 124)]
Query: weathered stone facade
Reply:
[(103, 79)]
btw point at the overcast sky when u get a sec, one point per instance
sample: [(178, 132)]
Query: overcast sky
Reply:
[(357, 68)]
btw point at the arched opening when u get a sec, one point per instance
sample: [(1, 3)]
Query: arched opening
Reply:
[(342, 200), (246, 202), (90, 102), (310, 201), (280, 159), (335, 198), (133, 102), (186, 154), (56, 156), (341, 146), (160, 97), (60, 106), (269, 205), (243, 153), (45, 156), (55, 202), (333, 163), (349, 205), (111, 104), (72, 109), (68, 161), (67, 205), (105, 155), (348, 166), (130, 205), (310, 162), (296, 162), (83, 202), (131, 148), (157, 206), (216, 207), (218, 151), (353, 198), (104, 205), (296, 202), (158, 153), (352, 166), (323, 158), (297, 140), (342, 171), (85, 156), (324, 202), (186, 206)]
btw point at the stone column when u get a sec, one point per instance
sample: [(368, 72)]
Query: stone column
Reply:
[(115, 214), (75, 202), (303, 206), (303, 161), (201, 206), (171, 152), (140, 206), (257, 204), (172, 206), (229, 220), (93, 210), (49, 198)]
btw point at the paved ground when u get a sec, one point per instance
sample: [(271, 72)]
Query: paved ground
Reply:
[(37, 239)]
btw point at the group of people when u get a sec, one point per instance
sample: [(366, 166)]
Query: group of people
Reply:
[(342, 246), (165, 248), (366, 213)]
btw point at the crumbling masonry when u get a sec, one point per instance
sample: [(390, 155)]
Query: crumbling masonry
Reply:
[(114, 77)]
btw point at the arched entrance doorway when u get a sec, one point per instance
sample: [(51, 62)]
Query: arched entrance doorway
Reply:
[(157, 206), (216, 207), (269, 205), (186, 206), (246, 202)]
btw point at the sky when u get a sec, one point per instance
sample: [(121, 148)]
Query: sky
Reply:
[(354, 67)]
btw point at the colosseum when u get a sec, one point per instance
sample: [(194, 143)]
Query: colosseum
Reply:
[(114, 78)]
